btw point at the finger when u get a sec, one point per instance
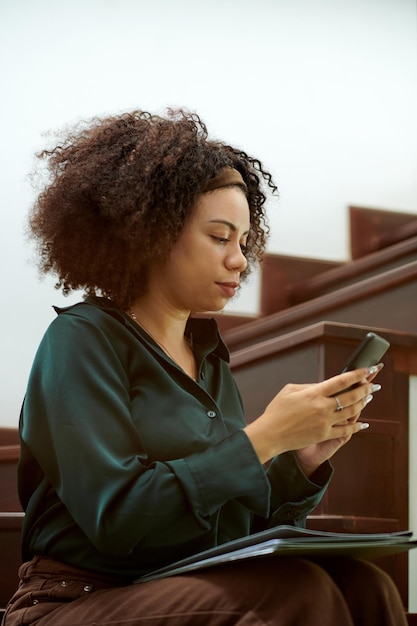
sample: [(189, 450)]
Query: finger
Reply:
[(357, 399), (338, 384), (369, 378), (350, 414), (352, 420), (348, 430)]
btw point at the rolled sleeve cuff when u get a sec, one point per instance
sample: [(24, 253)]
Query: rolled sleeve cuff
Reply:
[(294, 496)]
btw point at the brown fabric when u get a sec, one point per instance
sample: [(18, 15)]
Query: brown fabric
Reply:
[(281, 592), (226, 177)]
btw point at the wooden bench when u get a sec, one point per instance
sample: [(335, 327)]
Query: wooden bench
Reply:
[(11, 515), (10, 533)]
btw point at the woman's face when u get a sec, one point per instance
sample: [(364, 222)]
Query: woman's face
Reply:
[(202, 271)]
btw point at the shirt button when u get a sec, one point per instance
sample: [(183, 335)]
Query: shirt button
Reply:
[(211, 414), (35, 601), (88, 588), (63, 583)]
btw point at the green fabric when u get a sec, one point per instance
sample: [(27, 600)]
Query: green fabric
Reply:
[(127, 463)]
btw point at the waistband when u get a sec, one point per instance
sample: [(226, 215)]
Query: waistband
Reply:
[(47, 567)]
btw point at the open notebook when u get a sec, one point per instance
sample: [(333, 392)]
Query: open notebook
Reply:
[(291, 541)]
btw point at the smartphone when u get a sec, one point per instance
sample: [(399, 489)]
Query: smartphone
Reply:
[(369, 352)]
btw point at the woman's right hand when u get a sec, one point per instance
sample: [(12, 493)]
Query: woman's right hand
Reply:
[(303, 415)]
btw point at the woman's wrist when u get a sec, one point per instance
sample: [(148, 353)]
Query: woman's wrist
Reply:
[(308, 469), (261, 441)]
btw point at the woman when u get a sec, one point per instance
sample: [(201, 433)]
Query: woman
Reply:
[(135, 451)]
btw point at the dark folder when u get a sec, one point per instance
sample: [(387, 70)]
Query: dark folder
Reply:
[(291, 541)]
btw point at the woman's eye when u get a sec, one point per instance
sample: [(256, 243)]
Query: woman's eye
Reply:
[(220, 239)]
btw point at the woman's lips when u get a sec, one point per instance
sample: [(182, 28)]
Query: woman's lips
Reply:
[(229, 289)]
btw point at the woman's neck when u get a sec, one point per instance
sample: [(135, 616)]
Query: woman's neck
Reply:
[(167, 328)]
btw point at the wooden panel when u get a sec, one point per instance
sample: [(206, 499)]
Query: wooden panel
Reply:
[(373, 229), (388, 300), (9, 436), (9, 456), (10, 530), (280, 272), (11, 515), (353, 271), (369, 491)]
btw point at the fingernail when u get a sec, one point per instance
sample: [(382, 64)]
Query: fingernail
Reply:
[(373, 370), (364, 425), (375, 387), (368, 399)]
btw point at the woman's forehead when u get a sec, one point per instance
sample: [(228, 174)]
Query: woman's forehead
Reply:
[(227, 205)]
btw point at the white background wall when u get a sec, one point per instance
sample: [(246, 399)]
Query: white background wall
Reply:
[(324, 92)]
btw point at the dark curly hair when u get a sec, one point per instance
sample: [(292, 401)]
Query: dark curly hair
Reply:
[(119, 193)]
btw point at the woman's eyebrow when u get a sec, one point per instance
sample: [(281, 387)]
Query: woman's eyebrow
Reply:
[(232, 227)]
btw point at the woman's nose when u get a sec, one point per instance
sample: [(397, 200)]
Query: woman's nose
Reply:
[(237, 260)]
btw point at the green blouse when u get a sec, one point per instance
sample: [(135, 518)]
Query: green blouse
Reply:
[(127, 463)]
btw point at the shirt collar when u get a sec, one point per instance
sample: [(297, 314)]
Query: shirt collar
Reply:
[(206, 337), (203, 332)]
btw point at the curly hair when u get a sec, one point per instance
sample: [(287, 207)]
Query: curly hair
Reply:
[(120, 191)]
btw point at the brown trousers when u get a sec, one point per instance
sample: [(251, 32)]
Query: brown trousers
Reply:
[(281, 591)]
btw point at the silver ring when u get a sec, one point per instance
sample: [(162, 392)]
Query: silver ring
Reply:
[(339, 405)]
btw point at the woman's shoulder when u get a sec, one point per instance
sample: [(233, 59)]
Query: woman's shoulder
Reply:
[(89, 318), (92, 308)]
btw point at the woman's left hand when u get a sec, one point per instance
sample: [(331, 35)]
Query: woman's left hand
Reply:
[(311, 457)]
